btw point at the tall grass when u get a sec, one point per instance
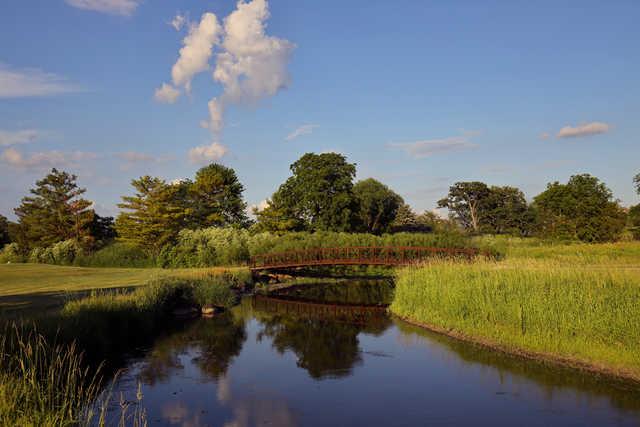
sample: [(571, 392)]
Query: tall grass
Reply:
[(587, 315)]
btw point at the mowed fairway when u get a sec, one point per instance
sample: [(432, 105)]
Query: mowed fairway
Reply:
[(41, 286)]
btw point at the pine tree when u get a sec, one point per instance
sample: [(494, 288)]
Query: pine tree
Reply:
[(154, 216), (55, 212)]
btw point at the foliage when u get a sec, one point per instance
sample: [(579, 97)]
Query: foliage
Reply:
[(154, 216), (4, 231), (465, 201), (11, 253), (582, 209), (634, 221), (318, 196), (636, 182), (377, 205), (55, 212), (116, 254), (61, 253), (206, 247), (505, 211), (102, 228), (547, 306), (214, 291), (215, 198)]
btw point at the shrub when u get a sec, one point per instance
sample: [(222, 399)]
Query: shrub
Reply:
[(118, 254), (206, 247), (11, 253)]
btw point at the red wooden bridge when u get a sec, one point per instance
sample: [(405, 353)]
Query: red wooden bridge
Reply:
[(356, 255)]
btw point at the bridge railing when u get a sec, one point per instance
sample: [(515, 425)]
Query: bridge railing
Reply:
[(372, 255)]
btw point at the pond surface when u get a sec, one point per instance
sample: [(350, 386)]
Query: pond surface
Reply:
[(280, 362)]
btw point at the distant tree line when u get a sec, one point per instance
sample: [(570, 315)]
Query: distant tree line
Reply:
[(320, 195)]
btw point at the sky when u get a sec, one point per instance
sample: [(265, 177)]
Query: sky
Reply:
[(419, 94)]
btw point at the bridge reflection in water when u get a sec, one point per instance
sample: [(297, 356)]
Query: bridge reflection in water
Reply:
[(358, 314)]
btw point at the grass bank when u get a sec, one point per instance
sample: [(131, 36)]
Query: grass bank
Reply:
[(576, 313), (52, 373)]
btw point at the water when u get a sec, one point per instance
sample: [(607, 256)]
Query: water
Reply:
[(283, 363)]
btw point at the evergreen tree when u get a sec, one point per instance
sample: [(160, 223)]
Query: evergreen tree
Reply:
[(4, 231), (55, 212), (154, 216)]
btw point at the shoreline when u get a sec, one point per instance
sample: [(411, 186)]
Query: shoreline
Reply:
[(621, 377)]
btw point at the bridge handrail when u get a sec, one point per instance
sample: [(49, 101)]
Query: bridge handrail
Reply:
[(276, 256)]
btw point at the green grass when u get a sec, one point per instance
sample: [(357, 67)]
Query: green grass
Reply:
[(573, 302)]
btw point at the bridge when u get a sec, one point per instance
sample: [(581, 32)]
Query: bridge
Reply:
[(356, 255)]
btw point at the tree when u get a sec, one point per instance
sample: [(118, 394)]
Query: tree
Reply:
[(215, 198), (636, 182), (102, 228), (154, 216), (582, 209), (634, 221), (318, 196), (505, 211), (55, 212), (377, 205), (4, 231), (406, 220), (465, 201)]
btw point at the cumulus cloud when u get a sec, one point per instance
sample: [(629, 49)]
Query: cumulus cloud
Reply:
[(193, 56), (429, 147), (40, 160), (28, 82), (300, 131), (249, 64), (114, 7), (167, 94), (18, 137), (207, 153), (583, 129)]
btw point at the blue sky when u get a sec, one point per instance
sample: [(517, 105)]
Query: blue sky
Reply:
[(419, 94)]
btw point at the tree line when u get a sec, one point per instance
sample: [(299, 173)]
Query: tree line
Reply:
[(320, 195)]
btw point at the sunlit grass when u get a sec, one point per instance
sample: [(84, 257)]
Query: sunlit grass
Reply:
[(572, 302)]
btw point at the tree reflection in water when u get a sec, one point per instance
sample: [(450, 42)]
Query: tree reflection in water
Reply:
[(324, 337), (218, 341)]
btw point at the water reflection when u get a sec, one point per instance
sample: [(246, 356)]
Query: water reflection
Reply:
[(279, 362)]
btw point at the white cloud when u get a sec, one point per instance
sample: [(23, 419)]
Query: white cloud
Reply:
[(259, 207), (583, 129), (426, 148), (207, 153), (16, 137), (167, 94), (115, 7), (249, 64), (46, 159), (19, 83), (178, 22), (301, 130)]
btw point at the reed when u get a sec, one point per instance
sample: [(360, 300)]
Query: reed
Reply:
[(566, 310)]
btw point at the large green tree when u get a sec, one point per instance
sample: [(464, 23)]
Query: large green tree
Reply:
[(154, 216), (318, 195), (55, 212), (505, 211), (636, 182), (215, 198), (466, 201), (582, 209), (377, 205), (4, 231)]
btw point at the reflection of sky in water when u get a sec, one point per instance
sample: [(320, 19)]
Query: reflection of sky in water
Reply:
[(401, 376)]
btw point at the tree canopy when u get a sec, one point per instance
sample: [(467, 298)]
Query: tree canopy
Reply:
[(377, 205), (154, 216), (465, 201), (55, 212), (582, 209), (215, 198), (4, 231), (318, 196)]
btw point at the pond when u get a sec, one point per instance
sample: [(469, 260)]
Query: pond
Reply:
[(323, 355)]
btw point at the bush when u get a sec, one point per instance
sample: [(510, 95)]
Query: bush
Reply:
[(61, 253), (11, 253), (206, 247), (117, 254)]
